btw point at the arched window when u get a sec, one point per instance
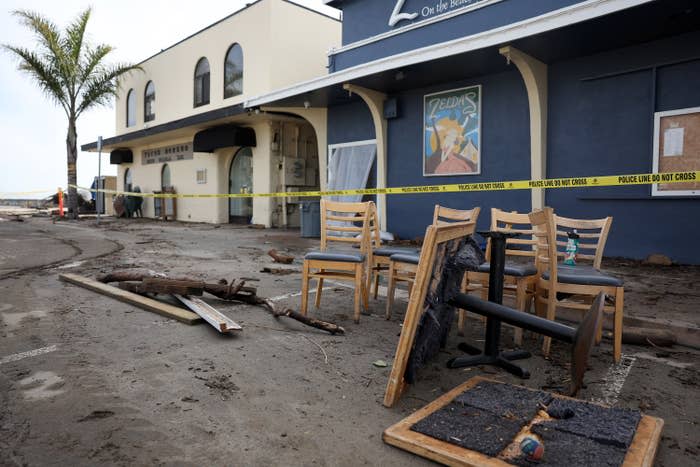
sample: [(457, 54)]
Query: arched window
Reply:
[(130, 108), (165, 177), (128, 183), (149, 102), (233, 72), (201, 82)]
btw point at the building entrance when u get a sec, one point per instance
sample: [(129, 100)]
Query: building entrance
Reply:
[(240, 180)]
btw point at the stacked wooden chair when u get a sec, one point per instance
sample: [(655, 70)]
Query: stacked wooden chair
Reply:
[(403, 265), (347, 224), (520, 270), (575, 287)]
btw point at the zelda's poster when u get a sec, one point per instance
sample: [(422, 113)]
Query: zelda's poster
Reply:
[(452, 132)]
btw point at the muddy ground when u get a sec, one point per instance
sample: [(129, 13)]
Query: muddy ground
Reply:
[(116, 385)]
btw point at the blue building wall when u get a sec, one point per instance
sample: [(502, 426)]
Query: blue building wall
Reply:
[(350, 122), (604, 126), (505, 154), (505, 135), (366, 18)]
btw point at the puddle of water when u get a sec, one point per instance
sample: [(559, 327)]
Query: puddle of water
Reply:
[(45, 384)]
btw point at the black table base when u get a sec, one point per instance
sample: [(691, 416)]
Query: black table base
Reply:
[(492, 354)]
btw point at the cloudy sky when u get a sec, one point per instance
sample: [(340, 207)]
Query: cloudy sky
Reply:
[(33, 129)]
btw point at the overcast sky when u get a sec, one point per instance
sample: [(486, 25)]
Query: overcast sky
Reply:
[(33, 129)]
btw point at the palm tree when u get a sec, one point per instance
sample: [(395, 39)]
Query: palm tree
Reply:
[(72, 73)]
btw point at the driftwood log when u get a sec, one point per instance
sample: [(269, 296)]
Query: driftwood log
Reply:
[(140, 282), (279, 257)]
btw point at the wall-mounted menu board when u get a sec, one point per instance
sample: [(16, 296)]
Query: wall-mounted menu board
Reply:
[(677, 149)]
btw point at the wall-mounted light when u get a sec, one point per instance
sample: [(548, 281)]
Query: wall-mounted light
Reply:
[(307, 104)]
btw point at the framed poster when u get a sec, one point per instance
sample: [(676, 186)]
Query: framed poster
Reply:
[(452, 132), (677, 149)]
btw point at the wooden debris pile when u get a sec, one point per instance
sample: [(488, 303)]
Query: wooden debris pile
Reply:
[(134, 288)]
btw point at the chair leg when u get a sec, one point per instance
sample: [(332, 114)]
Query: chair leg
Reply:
[(520, 306), (319, 289), (358, 293), (484, 296), (305, 288), (376, 283), (617, 329), (551, 312), (390, 290), (460, 322), (365, 289)]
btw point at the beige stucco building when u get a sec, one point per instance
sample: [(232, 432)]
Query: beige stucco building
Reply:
[(181, 124)]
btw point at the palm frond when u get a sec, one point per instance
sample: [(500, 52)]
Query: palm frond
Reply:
[(43, 73), (75, 33), (92, 60), (102, 85), (49, 39)]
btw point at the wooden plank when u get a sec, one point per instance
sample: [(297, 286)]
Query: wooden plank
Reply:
[(211, 315), (145, 303), (641, 452)]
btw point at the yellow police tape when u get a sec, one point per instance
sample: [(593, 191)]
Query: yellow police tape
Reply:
[(573, 182)]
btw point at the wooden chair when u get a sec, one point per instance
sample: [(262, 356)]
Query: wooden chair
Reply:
[(403, 265), (382, 253), (339, 218), (520, 277), (574, 287)]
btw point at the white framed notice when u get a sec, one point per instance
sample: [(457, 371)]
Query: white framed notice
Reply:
[(677, 149)]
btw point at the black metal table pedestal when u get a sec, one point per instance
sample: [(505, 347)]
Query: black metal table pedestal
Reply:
[(492, 354)]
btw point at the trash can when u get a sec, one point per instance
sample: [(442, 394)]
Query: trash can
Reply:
[(311, 219)]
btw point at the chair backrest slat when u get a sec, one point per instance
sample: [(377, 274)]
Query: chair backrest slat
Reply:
[(546, 251), (513, 222), (444, 215), (593, 234), (331, 222)]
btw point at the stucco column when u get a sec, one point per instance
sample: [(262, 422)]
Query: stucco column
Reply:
[(534, 74), (262, 174), (375, 102)]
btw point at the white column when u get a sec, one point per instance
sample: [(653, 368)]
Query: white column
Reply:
[(375, 102), (534, 74)]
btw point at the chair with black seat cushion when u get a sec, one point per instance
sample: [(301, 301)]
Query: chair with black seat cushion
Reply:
[(403, 264), (381, 254), (520, 270), (345, 224), (575, 287)]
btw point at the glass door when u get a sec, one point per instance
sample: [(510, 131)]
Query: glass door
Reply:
[(240, 180)]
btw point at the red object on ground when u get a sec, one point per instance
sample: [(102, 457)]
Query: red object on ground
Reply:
[(60, 202)]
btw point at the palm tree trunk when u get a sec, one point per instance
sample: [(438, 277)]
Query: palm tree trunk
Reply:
[(72, 157)]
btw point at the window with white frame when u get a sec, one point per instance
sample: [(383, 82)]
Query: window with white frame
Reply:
[(349, 167)]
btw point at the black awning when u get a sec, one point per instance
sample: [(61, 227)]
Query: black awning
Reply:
[(121, 156), (223, 136)]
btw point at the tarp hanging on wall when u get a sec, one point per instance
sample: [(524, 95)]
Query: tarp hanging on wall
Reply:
[(121, 156), (223, 136), (348, 168)]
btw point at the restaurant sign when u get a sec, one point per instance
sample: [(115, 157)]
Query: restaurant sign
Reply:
[(176, 152), (427, 9)]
